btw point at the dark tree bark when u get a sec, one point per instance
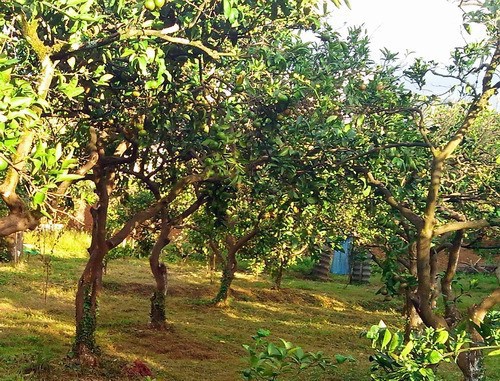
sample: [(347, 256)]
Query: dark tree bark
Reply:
[(228, 271), (90, 283), (278, 278), (413, 321), (159, 271), (452, 315)]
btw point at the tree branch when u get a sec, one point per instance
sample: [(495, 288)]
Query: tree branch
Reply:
[(460, 225), (407, 213), (380, 148), (132, 33), (154, 209), (477, 106)]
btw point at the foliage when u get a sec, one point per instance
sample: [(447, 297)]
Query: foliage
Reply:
[(418, 357), (269, 361)]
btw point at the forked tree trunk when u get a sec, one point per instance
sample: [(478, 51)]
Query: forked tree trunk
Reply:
[(159, 270), (158, 313), (227, 278), (279, 274), (85, 348)]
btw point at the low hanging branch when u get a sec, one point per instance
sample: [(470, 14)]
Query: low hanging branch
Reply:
[(406, 212), (153, 210)]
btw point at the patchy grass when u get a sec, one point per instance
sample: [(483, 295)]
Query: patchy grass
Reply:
[(202, 342)]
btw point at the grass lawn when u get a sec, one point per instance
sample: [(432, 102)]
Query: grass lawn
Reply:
[(202, 342)]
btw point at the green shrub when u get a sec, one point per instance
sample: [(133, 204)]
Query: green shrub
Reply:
[(418, 358), (269, 361)]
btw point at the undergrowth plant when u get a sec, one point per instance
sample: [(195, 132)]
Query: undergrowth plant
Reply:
[(270, 362), (418, 358)]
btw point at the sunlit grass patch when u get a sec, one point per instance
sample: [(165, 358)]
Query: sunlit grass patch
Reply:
[(202, 342)]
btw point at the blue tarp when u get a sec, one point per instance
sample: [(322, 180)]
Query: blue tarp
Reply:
[(340, 263)]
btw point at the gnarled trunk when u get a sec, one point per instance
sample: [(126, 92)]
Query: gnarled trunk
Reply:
[(159, 270), (227, 278), (452, 315), (472, 366), (12, 247), (85, 348)]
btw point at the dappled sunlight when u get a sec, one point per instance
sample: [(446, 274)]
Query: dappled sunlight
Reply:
[(19, 268), (199, 337)]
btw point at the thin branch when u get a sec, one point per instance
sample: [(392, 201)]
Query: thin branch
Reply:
[(380, 148)]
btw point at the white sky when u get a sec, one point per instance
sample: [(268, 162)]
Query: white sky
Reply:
[(430, 28)]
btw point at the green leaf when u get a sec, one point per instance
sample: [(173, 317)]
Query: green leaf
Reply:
[(287, 344), (37, 164), (442, 336), (340, 359), (272, 350), (263, 332), (233, 16), (19, 102), (39, 197), (394, 343), (227, 8), (69, 177), (331, 118), (496, 352), (299, 353), (427, 373), (407, 349), (434, 357), (386, 339), (106, 77)]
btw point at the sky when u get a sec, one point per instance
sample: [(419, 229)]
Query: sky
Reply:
[(430, 28)]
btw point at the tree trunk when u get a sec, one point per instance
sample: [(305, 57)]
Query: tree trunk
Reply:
[(230, 264), (452, 315), (413, 320), (279, 274), (12, 247), (472, 366), (279, 277), (227, 278), (85, 348), (159, 270)]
